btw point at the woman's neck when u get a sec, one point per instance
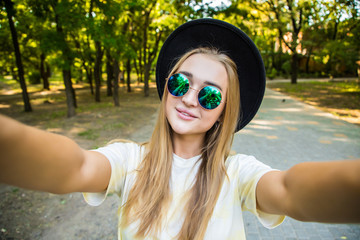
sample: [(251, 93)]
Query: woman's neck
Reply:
[(188, 146)]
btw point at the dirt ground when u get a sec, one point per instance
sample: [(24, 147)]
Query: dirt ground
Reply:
[(26, 214)]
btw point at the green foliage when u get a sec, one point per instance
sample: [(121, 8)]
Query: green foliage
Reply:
[(273, 73), (114, 126), (65, 33), (57, 114), (334, 87), (286, 67), (34, 77), (89, 134)]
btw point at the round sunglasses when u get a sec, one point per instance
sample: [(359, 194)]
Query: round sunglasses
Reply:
[(209, 97)]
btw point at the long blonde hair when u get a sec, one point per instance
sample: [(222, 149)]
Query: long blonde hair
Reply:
[(150, 196)]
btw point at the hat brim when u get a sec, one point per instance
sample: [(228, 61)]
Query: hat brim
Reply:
[(228, 39)]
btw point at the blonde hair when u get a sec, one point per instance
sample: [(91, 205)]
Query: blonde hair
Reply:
[(150, 196)]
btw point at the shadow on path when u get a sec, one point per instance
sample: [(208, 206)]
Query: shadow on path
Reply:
[(286, 132)]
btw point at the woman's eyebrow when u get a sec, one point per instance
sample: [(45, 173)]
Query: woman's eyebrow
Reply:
[(213, 84), (190, 75)]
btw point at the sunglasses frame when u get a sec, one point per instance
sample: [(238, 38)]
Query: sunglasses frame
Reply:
[(198, 91)]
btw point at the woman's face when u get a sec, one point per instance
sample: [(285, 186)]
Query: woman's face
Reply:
[(185, 114)]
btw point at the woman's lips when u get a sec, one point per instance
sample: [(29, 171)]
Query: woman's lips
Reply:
[(184, 114)]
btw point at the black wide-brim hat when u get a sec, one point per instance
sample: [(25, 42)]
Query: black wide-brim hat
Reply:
[(229, 40)]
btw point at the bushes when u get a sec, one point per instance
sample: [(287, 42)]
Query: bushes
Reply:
[(34, 77), (272, 74)]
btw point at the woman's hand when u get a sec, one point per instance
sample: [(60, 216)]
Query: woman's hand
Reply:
[(313, 191), (39, 160)]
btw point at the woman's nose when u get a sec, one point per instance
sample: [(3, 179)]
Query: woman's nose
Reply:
[(190, 98)]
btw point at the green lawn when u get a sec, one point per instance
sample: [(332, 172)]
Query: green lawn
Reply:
[(339, 98)]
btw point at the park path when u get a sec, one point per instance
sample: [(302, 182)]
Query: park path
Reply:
[(286, 132), (283, 133)]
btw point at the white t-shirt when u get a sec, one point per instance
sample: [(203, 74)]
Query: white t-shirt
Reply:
[(237, 193)]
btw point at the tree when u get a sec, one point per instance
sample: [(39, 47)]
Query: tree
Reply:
[(116, 72), (35, 59), (109, 74), (9, 7), (342, 45), (96, 32), (114, 42), (61, 18), (44, 72), (288, 17), (7, 60), (149, 53), (85, 52), (61, 11), (97, 69), (153, 22), (331, 37)]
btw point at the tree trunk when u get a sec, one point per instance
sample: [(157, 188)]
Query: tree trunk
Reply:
[(138, 72), (128, 80), (146, 79), (121, 76), (90, 80), (145, 62), (140, 66), (43, 72), (278, 56), (72, 91), (294, 68), (48, 71), (70, 99), (110, 74), (307, 66), (13, 73), (89, 75), (66, 67), (116, 72), (97, 70), (80, 78), (149, 53), (10, 13)]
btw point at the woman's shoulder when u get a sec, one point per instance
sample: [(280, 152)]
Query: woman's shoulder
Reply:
[(243, 162), (123, 143), (239, 159), (120, 147)]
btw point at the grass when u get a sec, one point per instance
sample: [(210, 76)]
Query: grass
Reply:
[(339, 98), (89, 134), (95, 123), (8, 85)]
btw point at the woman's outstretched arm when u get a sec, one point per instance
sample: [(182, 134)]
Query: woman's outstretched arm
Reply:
[(39, 160), (313, 191)]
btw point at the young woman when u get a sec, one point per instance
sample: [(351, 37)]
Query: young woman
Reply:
[(183, 184)]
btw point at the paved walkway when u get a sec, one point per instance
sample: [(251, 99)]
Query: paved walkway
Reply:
[(286, 132)]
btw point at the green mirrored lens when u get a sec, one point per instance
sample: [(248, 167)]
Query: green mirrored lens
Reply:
[(209, 97), (178, 84)]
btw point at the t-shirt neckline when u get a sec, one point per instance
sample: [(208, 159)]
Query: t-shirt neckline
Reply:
[(185, 162)]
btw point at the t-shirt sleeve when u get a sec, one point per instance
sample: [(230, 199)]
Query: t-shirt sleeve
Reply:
[(250, 172), (122, 157)]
